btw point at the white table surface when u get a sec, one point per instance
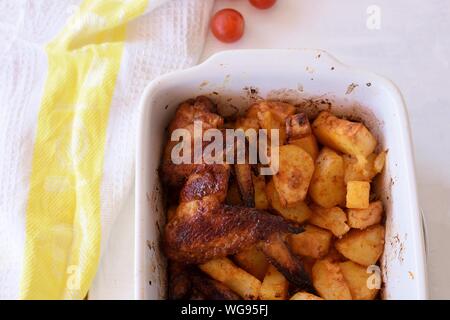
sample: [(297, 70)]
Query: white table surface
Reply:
[(412, 48)]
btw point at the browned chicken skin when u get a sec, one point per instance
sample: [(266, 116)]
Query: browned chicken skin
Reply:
[(203, 228)]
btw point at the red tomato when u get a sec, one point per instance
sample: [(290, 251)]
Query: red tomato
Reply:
[(263, 4), (227, 25)]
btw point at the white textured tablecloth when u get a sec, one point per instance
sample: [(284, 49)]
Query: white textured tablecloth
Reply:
[(412, 47)]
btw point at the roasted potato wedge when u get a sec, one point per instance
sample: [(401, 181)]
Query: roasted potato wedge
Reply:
[(305, 296), (297, 127), (329, 281), (268, 121), (356, 277), (253, 261), (362, 246), (343, 135), (259, 185), (333, 219), (280, 110), (274, 286), (380, 161), (309, 144), (327, 187), (298, 213), (246, 123), (235, 278), (313, 242), (359, 168), (358, 194), (363, 218), (244, 180), (296, 168)]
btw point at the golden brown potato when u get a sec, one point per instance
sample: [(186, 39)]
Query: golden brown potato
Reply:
[(280, 110), (244, 180), (333, 219), (313, 242), (296, 168), (358, 194), (343, 135), (253, 261), (274, 286), (259, 184), (359, 168), (334, 255), (298, 213), (305, 296), (297, 127), (327, 187), (245, 123), (363, 218), (309, 144), (329, 281), (362, 246), (379, 162), (356, 277), (235, 278), (268, 121)]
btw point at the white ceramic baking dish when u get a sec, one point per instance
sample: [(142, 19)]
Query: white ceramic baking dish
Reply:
[(316, 80)]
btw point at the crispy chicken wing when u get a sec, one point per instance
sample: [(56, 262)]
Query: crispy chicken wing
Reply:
[(203, 228), (200, 109)]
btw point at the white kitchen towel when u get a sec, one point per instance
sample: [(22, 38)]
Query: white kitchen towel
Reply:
[(71, 75)]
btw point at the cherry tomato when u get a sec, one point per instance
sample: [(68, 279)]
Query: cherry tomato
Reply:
[(263, 4), (228, 25)]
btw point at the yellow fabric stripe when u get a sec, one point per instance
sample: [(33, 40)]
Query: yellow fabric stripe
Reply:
[(63, 228)]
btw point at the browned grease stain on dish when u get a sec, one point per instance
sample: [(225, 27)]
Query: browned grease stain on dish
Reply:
[(252, 93), (351, 87)]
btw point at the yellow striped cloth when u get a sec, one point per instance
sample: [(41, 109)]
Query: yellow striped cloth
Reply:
[(96, 66)]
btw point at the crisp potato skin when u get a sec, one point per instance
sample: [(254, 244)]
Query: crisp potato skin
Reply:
[(296, 168), (244, 180), (253, 261), (343, 135), (313, 242), (274, 286), (235, 278), (305, 296), (297, 126), (298, 213), (356, 277), (309, 144), (333, 219), (329, 281), (362, 246), (358, 194), (327, 187), (363, 218)]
